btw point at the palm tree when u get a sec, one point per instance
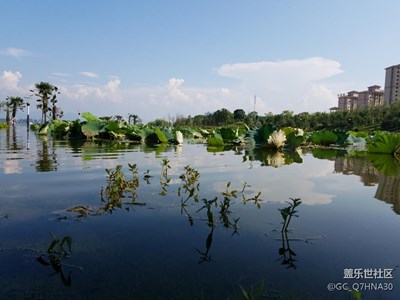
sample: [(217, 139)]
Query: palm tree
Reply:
[(5, 105), (47, 94), (15, 103)]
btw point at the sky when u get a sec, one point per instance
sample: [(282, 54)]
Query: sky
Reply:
[(165, 58)]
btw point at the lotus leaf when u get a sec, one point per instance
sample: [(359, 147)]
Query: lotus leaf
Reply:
[(89, 117), (324, 137), (385, 163), (215, 141), (263, 133), (385, 143), (228, 134), (93, 128)]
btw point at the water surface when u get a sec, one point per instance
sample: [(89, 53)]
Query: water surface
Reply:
[(348, 220)]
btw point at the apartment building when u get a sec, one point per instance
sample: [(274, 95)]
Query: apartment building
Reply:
[(373, 96), (392, 83)]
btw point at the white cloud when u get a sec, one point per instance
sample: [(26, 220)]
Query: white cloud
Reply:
[(9, 80), (89, 74), (296, 85), (15, 52)]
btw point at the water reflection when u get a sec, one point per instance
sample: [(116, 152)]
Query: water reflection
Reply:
[(273, 158), (375, 169), (46, 155)]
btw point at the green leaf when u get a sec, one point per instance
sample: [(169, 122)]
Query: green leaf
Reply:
[(388, 143), (385, 163), (93, 128), (89, 117)]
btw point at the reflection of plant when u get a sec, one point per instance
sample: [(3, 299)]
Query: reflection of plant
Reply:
[(118, 186), (190, 184), (287, 213), (286, 252), (57, 252), (385, 163), (164, 180)]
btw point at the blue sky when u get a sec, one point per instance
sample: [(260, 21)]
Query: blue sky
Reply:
[(167, 57)]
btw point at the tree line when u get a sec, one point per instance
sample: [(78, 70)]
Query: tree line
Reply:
[(382, 117)]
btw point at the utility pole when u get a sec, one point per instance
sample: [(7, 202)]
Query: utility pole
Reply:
[(255, 100)]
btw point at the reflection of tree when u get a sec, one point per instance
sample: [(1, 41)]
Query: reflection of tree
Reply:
[(47, 160), (11, 139)]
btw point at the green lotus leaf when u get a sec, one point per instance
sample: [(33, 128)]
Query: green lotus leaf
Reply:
[(93, 128), (324, 137), (385, 163), (89, 117), (228, 134), (385, 143)]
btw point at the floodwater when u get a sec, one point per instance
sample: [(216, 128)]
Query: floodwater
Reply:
[(147, 245)]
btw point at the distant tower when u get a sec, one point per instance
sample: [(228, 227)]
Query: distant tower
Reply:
[(392, 84)]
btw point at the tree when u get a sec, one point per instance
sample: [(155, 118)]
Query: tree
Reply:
[(15, 103), (239, 115), (222, 117), (134, 117), (47, 94), (5, 105)]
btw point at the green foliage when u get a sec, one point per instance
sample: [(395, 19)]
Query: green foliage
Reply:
[(330, 154), (341, 137), (385, 163), (385, 143), (253, 293), (262, 134), (227, 134), (294, 138), (324, 137), (215, 141), (92, 128), (3, 125), (60, 128), (89, 117)]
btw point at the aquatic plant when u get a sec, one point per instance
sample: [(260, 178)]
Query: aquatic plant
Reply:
[(385, 143), (253, 293), (57, 252), (288, 212), (118, 187), (164, 179), (277, 139), (324, 137), (190, 184)]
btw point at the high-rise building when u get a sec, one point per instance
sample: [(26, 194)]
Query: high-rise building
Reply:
[(369, 98), (392, 84)]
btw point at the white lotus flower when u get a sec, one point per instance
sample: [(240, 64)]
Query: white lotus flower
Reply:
[(277, 138)]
